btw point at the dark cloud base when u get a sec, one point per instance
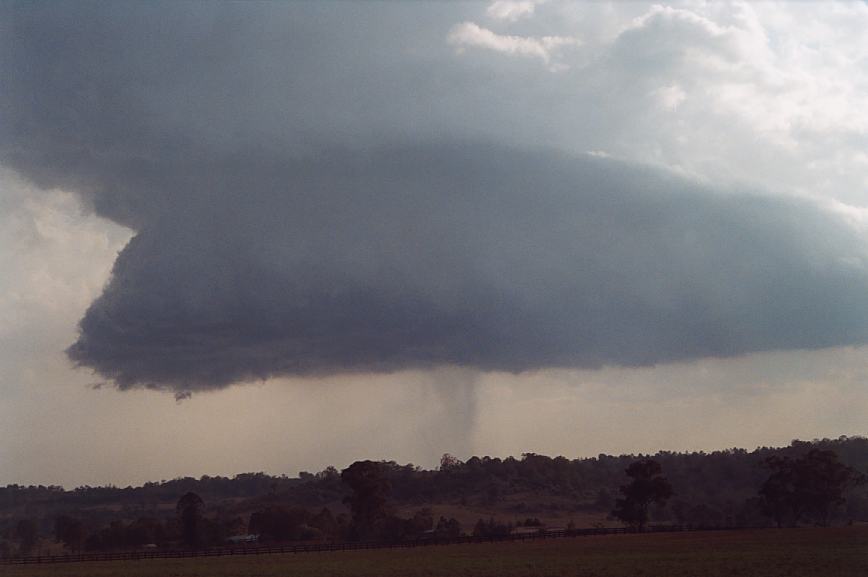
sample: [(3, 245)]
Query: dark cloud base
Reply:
[(472, 255)]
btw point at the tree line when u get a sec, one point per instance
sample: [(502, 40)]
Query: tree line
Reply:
[(817, 483)]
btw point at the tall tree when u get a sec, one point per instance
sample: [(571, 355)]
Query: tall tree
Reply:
[(189, 510), (648, 485), (369, 486)]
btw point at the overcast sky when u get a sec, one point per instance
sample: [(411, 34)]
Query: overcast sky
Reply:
[(278, 236)]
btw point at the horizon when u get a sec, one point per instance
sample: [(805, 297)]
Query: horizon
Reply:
[(436, 467)]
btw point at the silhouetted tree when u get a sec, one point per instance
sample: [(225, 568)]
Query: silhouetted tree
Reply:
[(812, 486), (712, 488), (393, 528), (530, 522), (189, 510), (369, 486), (491, 528), (648, 486), (447, 462), (447, 528)]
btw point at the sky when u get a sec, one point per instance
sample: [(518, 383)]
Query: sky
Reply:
[(279, 236)]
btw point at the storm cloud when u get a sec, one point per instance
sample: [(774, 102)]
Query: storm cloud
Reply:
[(469, 255), (311, 193)]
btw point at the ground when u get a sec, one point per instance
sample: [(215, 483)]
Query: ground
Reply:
[(835, 552)]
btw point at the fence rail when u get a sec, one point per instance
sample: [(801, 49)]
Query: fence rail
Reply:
[(352, 546)]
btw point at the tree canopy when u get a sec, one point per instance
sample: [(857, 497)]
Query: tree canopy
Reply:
[(369, 485), (648, 485), (810, 486)]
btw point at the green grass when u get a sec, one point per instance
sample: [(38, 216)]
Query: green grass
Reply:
[(837, 552)]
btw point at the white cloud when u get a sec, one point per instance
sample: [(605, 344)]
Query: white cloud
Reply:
[(766, 93), (670, 97), (545, 48), (54, 256), (511, 10), (598, 153)]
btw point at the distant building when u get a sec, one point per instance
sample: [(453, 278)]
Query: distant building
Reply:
[(237, 539)]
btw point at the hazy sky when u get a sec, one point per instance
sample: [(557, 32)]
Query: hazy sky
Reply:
[(240, 237)]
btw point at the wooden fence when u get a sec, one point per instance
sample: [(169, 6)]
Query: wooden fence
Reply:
[(348, 546)]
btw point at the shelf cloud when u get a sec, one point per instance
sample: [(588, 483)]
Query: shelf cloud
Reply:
[(464, 254)]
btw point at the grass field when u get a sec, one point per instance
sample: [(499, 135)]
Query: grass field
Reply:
[(837, 552)]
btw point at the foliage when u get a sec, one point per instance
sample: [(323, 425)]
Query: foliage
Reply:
[(491, 528), (712, 489), (189, 510), (811, 486), (448, 461), (369, 485), (648, 486), (395, 529), (447, 528)]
